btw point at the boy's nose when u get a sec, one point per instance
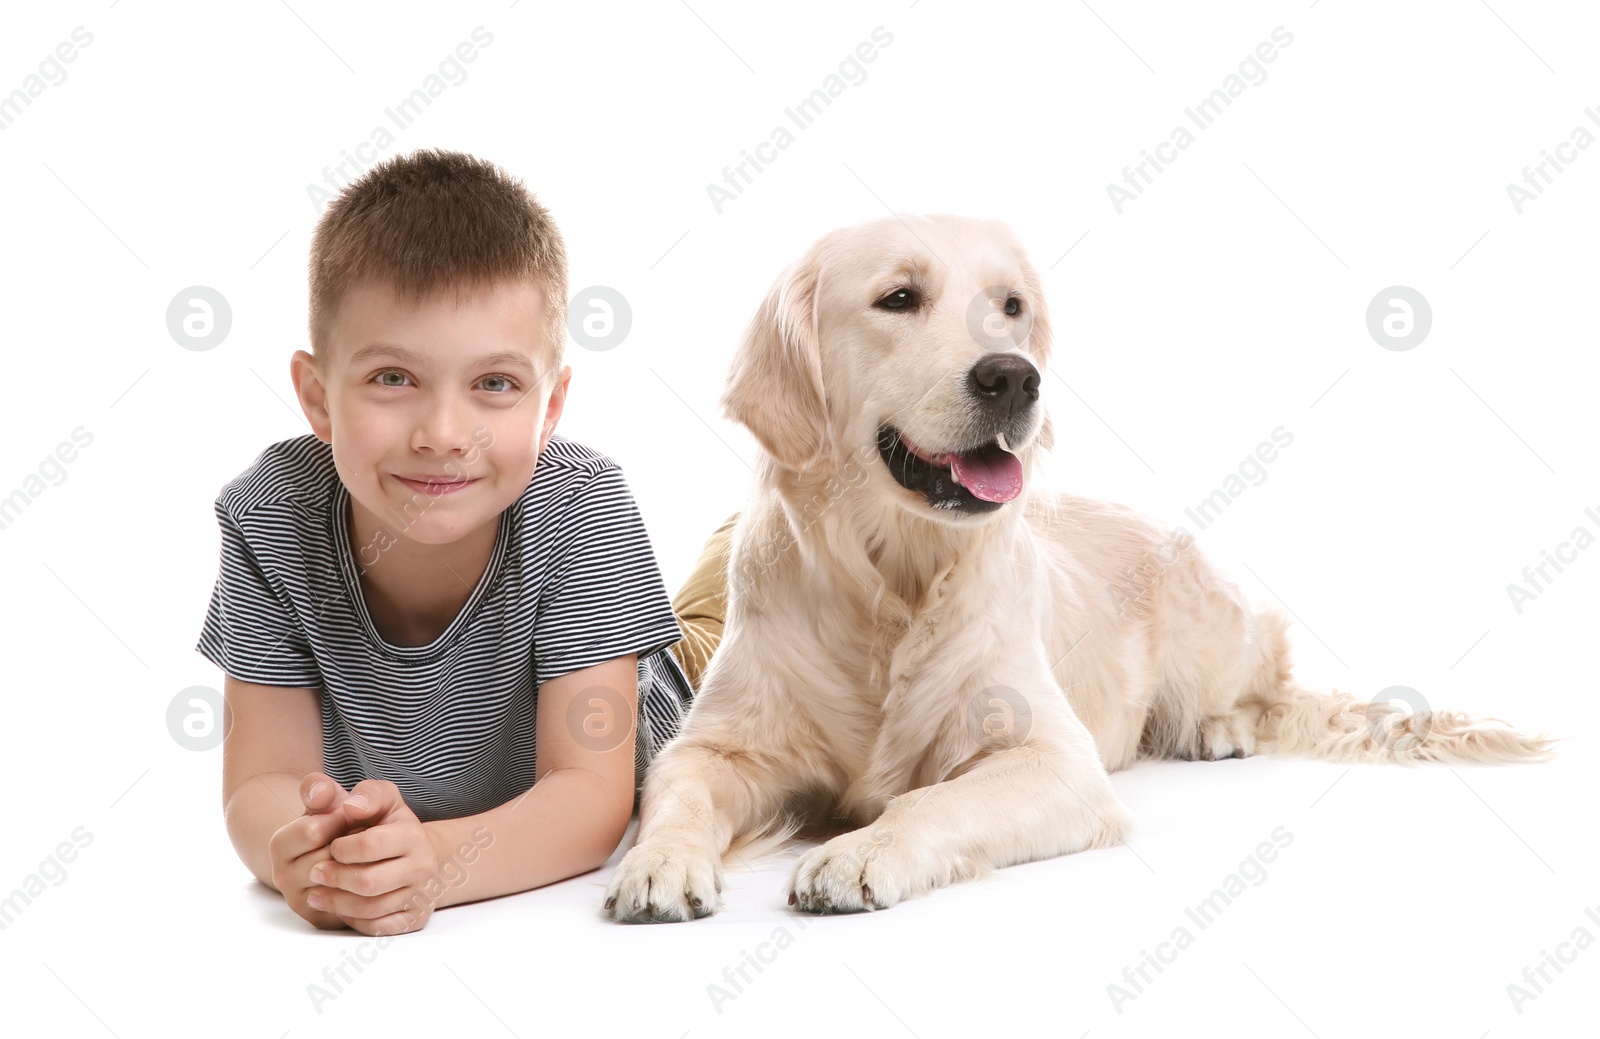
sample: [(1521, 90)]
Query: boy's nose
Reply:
[(446, 428)]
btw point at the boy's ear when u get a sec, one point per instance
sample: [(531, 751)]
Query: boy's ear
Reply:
[(308, 386), (556, 404), (775, 386)]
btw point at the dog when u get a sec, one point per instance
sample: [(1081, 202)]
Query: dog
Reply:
[(924, 643)]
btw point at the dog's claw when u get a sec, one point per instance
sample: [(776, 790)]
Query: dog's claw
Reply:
[(662, 883), (792, 899)]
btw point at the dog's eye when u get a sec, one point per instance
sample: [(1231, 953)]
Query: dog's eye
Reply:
[(899, 299), (1013, 306)]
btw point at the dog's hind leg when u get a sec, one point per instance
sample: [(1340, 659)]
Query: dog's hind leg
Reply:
[(1272, 713)]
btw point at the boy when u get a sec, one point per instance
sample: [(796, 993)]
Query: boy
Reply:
[(442, 625)]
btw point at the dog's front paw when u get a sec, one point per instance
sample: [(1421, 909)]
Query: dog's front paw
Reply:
[(865, 869), (664, 882)]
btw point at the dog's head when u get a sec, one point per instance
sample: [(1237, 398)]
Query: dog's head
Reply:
[(914, 344)]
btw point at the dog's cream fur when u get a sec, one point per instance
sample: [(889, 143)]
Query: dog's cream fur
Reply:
[(956, 686)]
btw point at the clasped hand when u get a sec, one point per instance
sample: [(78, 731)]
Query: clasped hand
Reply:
[(358, 858)]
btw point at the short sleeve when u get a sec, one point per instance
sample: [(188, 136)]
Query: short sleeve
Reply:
[(603, 596), (250, 631)]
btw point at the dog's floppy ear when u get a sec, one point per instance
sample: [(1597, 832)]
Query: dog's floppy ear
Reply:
[(775, 387)]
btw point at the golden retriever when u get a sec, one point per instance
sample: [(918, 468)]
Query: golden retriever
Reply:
[(924, 641)]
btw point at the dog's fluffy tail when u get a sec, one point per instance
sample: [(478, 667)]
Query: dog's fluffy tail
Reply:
[(1336, 726)]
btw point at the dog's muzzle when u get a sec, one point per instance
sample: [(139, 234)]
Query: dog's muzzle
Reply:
[(980, 479)]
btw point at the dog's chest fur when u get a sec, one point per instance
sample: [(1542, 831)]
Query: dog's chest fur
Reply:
[(903, 635), (918, 714)]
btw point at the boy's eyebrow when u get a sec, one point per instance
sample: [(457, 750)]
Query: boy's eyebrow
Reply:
[(502, 359)]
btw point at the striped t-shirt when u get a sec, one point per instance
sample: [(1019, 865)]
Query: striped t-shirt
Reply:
[(572, 582)]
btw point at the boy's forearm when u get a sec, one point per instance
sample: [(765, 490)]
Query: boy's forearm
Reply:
[(568, 823), (255, 812)]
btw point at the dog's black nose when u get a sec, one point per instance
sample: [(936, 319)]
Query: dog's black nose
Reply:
[(1005, 382)]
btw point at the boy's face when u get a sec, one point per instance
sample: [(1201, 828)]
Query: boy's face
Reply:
[(411, 391)]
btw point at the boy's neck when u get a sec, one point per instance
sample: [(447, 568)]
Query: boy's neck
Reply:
[(414, 591)]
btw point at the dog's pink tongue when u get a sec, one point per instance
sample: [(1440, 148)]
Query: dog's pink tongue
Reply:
[(990, 473)]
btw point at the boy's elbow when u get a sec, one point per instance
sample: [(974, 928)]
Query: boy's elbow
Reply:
[(605, 847), (613, 825), (610, 812)]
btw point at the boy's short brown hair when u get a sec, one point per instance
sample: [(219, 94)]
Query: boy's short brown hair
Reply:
[(435, 220)]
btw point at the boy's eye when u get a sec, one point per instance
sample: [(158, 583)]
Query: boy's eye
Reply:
[(510, 387)]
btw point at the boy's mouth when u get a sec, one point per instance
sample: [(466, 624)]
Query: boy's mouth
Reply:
[(435, 485)]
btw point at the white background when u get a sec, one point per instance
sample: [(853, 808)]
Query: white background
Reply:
[(1227, 300)]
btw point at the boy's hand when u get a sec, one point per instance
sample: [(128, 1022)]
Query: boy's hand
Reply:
[(322, 794), (301, 844), (375, 880)]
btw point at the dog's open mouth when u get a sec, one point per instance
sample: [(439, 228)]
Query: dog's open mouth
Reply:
[(975, 480)]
